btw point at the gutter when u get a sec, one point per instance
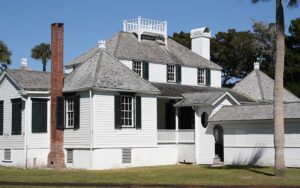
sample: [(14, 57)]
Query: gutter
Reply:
[(115, 90)]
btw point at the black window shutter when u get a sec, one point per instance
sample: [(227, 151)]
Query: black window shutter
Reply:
[(1, 117), (76, 111), (207, 71), (146, 70), (178, 74), (118, 121), (16, 116), (60, 115), (138, 112), (39, 115)]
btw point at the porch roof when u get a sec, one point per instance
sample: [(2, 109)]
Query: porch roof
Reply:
[(179, 91), (255, 112)]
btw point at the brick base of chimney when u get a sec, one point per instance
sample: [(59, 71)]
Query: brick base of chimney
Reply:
[(56, 157)]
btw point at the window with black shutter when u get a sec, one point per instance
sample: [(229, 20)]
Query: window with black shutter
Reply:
[(178, 73), (1, 117), (146, 70), (72, 115), (16, 116), (39, 115), (208, 77), (128, 111)]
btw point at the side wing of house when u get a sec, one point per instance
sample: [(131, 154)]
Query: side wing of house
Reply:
[(12, 124)]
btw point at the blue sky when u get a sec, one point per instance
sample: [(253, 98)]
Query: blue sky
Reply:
[(25, 23)]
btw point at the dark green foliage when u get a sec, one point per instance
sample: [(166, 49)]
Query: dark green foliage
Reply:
[(42, 52), (183, 39), (235, 52), (5, 54)]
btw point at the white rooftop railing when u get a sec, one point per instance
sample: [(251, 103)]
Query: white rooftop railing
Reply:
[(141, 25)]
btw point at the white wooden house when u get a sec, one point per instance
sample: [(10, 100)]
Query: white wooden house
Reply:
[(139, 99)]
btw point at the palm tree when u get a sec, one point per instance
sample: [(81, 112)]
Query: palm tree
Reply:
[(42, 52), (5, 54), (278, 109)]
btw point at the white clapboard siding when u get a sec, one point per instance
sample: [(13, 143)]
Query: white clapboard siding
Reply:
[(157, 72), (38, 140), (9, 91), (188, 76), (80, 138), (105, 134), (127, 63), (215, 78)]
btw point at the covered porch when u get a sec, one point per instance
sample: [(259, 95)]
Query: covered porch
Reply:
[(174, 124)]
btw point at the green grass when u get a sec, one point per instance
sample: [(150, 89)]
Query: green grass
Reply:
[(176, 174)]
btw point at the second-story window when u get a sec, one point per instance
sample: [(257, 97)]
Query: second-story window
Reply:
[(70, 112), (137, 67), (201, 76), (171, 73)]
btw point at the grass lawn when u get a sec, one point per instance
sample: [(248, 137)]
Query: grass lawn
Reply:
[(175, 174)]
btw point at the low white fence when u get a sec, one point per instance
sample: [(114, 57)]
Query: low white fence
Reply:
[(176, 136)]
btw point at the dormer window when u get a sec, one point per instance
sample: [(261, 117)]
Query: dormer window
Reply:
[(137, 68), (171, 73), (201, 76)]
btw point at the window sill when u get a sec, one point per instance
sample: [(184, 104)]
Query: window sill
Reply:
[(7, 161)]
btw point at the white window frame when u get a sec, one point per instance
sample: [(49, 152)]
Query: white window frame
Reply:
[(137, 67), (70, 114), (201, 76), (171, 72), (127, 121)]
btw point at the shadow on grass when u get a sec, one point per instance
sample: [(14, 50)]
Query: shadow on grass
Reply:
[(252, 168)]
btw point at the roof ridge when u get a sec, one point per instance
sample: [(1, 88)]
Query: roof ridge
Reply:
[(99, 62), (260, 85), (136, 75)]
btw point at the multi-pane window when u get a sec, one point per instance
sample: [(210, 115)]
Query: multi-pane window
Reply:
[(70, 112), (171, 73), (137, 67), (201, 76), (127, 112)]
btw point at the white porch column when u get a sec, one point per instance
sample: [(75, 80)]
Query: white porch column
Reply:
[(176, 124), (197, 132)]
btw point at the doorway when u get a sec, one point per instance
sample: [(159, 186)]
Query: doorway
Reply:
[(219, 145)]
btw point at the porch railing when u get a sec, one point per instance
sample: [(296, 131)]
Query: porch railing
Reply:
[(176, 136)]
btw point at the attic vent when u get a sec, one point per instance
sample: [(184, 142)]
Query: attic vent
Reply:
[(69, 156), (7, 154), (126, 155)]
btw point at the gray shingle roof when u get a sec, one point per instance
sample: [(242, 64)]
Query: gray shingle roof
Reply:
[(259, 86), (199, 98), (125, 46), (30, 80), (255, 112), (103, 71), (177, 90)]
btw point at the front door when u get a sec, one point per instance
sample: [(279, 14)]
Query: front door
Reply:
[(219, 146)]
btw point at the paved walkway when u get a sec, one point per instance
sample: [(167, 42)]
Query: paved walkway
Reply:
[(2, 183)]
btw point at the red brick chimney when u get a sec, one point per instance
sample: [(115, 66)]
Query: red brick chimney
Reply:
[(56, 157)]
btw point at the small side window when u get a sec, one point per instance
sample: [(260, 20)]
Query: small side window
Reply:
[(204, 119)]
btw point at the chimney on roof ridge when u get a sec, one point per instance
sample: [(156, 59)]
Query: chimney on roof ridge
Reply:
[(256, 65), (24, 64), (101, 44), (201, 41)]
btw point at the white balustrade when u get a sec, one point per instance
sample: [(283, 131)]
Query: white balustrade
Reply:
[(176, 136)]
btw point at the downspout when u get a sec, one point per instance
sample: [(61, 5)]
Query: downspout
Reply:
[(92, 128)]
